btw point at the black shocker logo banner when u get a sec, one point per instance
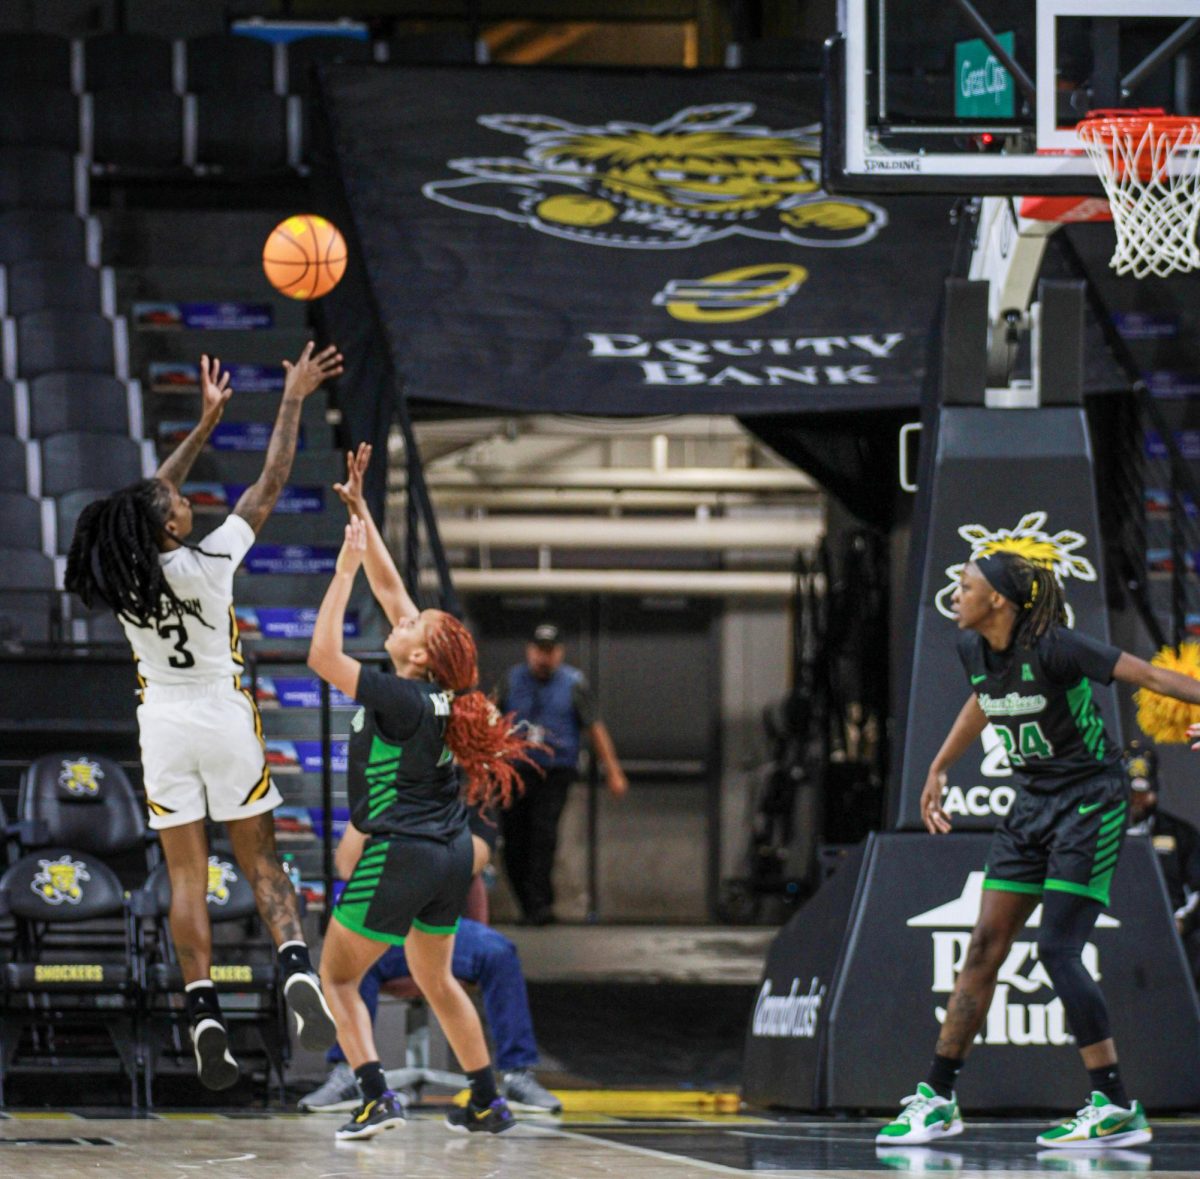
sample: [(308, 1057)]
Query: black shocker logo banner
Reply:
[(628, 243)]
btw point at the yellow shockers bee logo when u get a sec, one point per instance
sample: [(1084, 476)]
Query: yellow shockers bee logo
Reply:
[(703, 174), (220, 876), (1028, 540), (81, 777), (58, 881)]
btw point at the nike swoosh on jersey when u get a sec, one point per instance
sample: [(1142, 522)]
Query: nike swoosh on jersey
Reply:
[(978, 679), (1087, 810)]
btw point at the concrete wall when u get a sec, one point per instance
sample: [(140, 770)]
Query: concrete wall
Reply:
[(654, 845)]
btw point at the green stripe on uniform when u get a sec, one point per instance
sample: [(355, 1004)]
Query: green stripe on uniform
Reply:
[(1011, 886), (1094, 892), (439, 929), (1087, 719), (356, 924)]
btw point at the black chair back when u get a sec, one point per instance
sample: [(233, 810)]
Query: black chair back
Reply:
[(86, 801)]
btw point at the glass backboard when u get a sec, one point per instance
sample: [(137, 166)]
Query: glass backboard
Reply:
[(982, 97)]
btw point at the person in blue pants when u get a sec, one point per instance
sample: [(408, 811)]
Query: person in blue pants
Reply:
[(482, 956)]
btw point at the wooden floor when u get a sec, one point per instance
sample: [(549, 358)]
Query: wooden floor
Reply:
[(38, 1145)]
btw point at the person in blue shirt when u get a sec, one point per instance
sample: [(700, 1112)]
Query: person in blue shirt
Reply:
[(557, 706)]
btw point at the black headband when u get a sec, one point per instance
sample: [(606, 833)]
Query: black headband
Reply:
[(999, 570)]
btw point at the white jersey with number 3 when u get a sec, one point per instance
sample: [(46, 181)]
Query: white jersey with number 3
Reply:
[(202, 643)]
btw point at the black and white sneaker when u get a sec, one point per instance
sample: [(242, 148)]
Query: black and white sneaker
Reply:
[(314, 1024), (372, 1117), (214, 1062), (475, 1119)]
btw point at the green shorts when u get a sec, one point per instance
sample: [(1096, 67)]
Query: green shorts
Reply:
[(1067, 841), (402, 881)]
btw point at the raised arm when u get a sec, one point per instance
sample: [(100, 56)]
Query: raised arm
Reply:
[(215, 392), (303, 379), (1132, 670), (386, 582), (325, 654), (968, 725)]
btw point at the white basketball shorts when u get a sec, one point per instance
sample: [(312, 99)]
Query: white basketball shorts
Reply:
[(203, 754)]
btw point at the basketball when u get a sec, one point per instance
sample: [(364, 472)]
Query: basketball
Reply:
[(304, 257)]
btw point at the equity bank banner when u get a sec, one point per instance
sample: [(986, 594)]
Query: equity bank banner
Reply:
[(628, 243)]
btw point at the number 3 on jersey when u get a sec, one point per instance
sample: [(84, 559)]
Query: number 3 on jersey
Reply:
[(176, 632), (1031, 739)]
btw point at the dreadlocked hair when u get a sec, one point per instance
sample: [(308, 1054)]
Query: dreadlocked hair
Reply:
[(485, 743), (114, 554), (1042, 603)]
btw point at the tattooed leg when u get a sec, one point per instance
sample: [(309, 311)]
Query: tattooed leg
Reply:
[(186, 852), (1002, 915), (254, 846)]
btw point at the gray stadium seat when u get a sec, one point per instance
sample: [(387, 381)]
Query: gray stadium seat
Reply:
[(120, 61), (53, 341), (36, 178), (226, 63), (57, 286), (134, 129), (61, 402), (37, 233), (307, 52), (13, 464), (20, 521), (34, 61), (8, 410), (67, 508), (242, 131), (41, 118), (71, 461), (25, 569)]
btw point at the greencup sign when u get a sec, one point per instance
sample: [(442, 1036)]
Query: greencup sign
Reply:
[(983, 88)]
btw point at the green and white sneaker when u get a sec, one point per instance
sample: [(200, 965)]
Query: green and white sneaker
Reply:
[(1100, 1124), (924, 1117)]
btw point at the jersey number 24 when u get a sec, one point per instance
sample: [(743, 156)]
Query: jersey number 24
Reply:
[(1029, 742)]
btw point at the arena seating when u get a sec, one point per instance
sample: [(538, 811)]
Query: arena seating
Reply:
[(39, 285), (61, 402), (243, 963), (73, 967), (20, 521), (86, 801)]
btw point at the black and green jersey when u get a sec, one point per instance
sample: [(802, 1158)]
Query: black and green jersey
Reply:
[(1039, 701), (401, 776)]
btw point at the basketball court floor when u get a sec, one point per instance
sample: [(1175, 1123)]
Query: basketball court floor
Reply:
[(577, 1146)]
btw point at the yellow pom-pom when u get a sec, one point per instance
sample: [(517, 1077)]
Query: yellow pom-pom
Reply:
[(1163, 718)]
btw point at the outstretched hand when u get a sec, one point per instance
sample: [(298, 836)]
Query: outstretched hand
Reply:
[(1193, 731), (305, 374), (936, 821), (214, 388), (354, 548), (351, 492)]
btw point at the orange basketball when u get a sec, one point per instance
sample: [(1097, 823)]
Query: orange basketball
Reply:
[(304, 257)]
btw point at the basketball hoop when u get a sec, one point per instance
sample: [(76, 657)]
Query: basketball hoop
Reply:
[(1149, 164)]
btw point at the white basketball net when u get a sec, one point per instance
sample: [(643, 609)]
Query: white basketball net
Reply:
[(1151, 176)]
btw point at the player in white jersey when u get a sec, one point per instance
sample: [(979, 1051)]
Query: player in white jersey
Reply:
[(200, 732)]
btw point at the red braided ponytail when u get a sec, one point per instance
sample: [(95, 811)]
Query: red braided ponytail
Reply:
[(483, 742)]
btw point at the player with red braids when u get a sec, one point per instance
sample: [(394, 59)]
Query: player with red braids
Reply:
[(410, 884)]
